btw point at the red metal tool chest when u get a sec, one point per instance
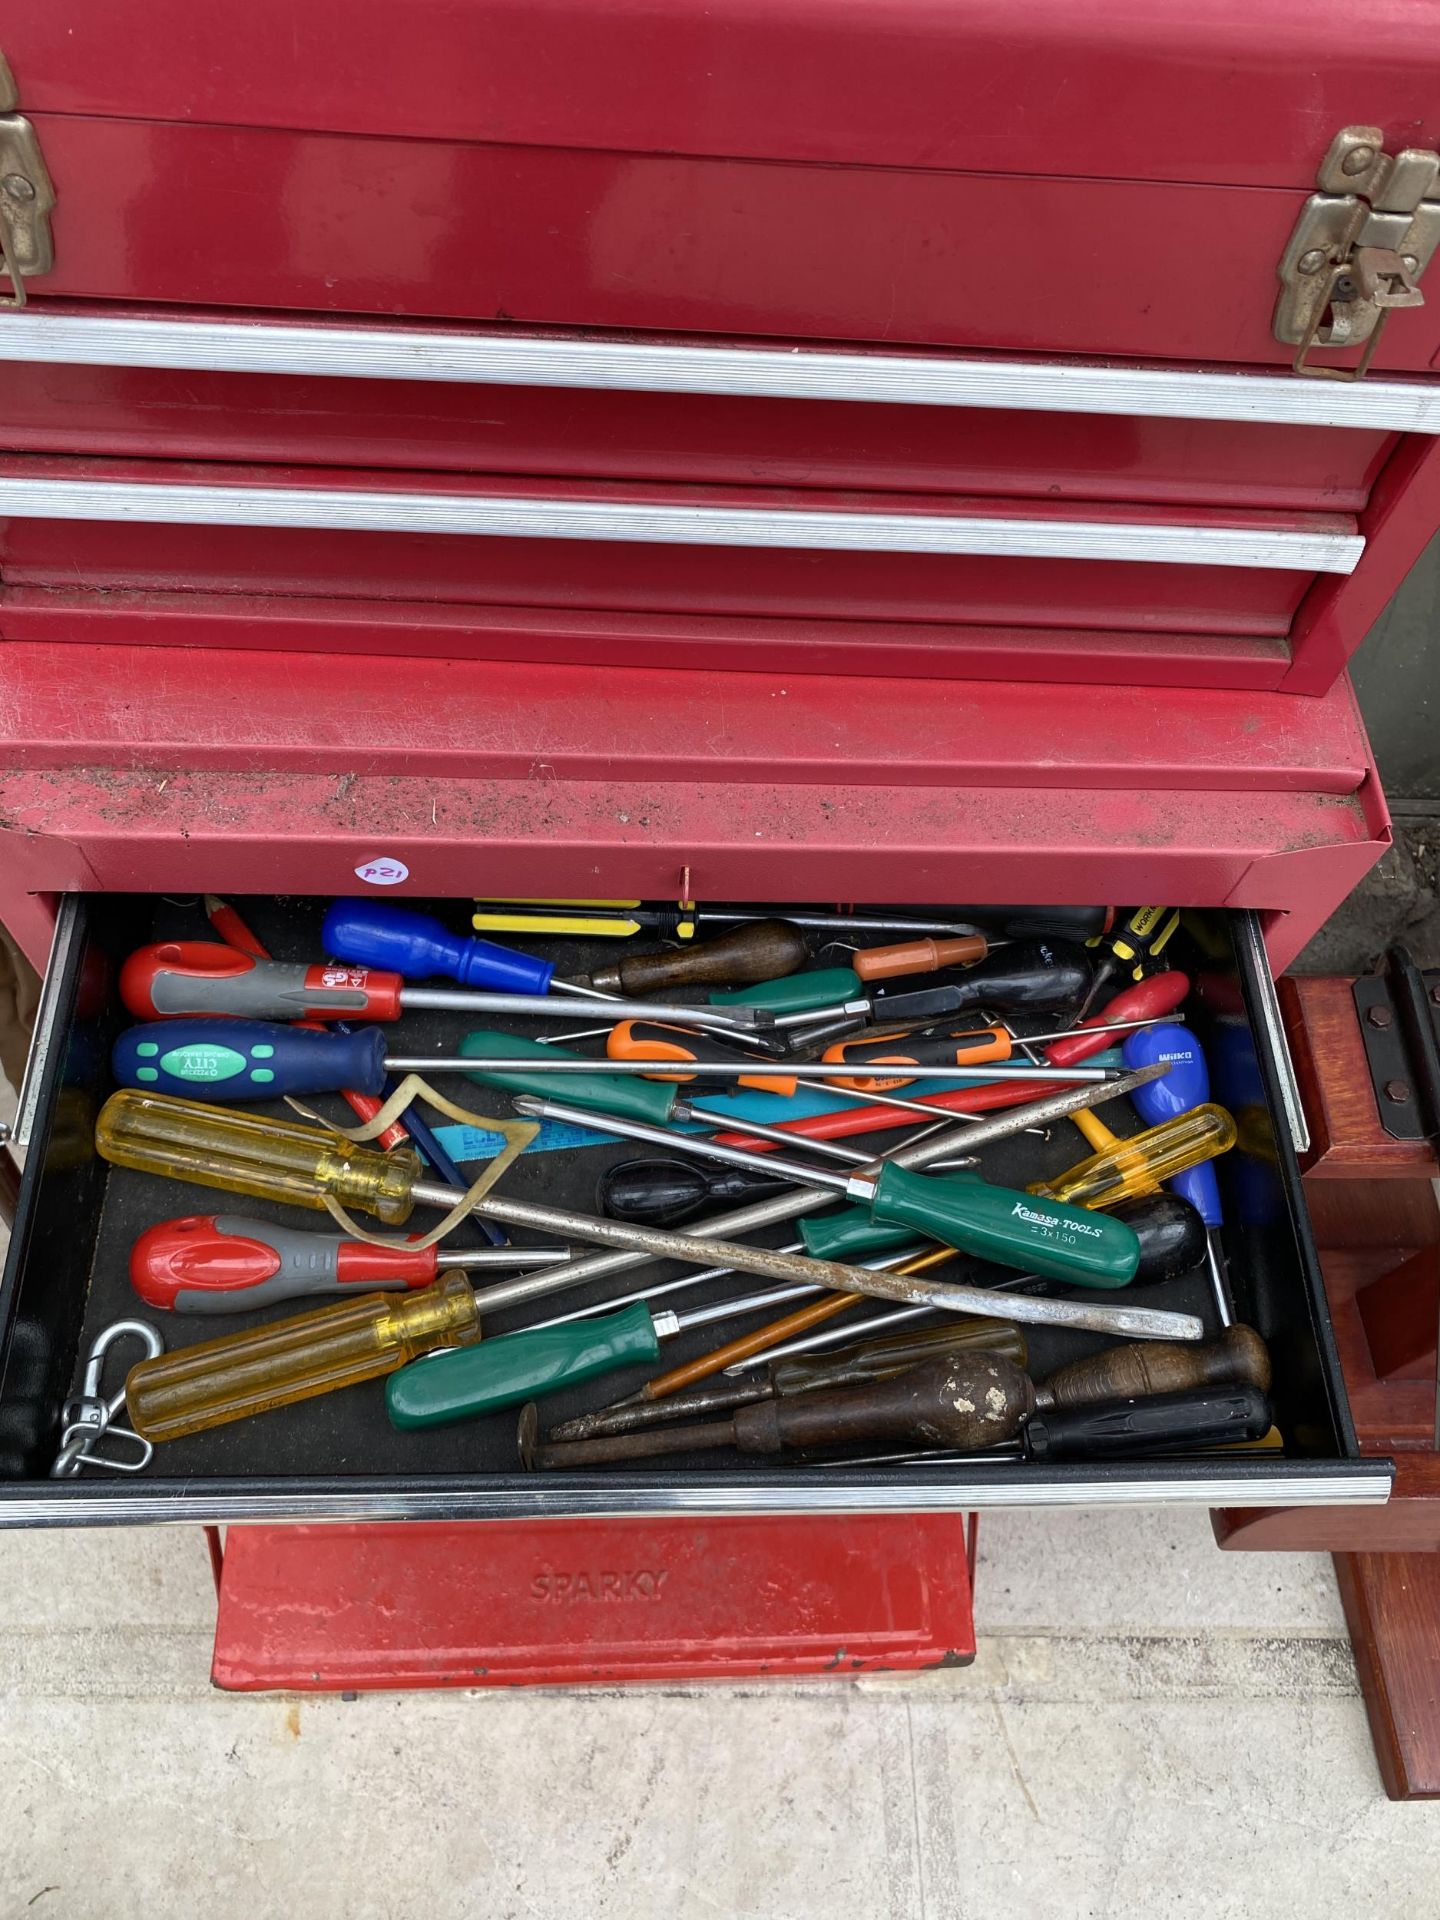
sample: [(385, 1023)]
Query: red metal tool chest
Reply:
[(804, 451)]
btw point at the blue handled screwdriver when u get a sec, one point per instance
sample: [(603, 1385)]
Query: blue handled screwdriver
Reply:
[(1185, 1085)]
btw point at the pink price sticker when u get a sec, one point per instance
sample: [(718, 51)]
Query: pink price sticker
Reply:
[(382, 871)]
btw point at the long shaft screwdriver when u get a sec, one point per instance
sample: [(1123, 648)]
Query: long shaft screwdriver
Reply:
[(960, 1210), (377, 933), (190, 979), (306, 1166), (1153, 999), (521, 1366), (796, 1203), (620, 918), (259, 1060)]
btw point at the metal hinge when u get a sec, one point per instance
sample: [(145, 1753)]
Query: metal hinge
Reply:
[(1399, 1011), (1358, 249), (26, 196)]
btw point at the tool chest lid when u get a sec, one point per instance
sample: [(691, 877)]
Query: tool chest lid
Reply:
[(1230, 94)]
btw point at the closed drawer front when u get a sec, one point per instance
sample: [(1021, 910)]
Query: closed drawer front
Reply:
[(336, 1457), (553, 497)]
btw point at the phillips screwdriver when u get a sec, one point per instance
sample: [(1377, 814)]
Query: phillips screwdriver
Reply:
[(1153, 999), (1172, 1243), (1143, 1160), (620, 918), (521, 1366), (196, 1388), (957, 1400), (187, 979), (1186, 1085), (226, 1263), (1140, 939), (417, 946), (260, 1060), (1038, 976), (308, 1167), (1121, 1372), (959, 1210), (1208, 1417)]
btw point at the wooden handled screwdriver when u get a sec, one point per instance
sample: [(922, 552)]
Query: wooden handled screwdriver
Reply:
[(960, 1400), (1131, 1371)]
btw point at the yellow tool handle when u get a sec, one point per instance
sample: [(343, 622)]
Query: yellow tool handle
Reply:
[(311, 1353)]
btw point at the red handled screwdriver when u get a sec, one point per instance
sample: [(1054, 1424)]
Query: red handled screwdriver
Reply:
[(235, 933), (1152, 999), (187, 979), (225, 1263)]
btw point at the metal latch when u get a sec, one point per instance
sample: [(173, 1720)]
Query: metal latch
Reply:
[(1358, 249), (27, 197)]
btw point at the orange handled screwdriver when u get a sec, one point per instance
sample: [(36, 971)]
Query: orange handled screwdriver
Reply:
[(914, 1052), (651, 1040)]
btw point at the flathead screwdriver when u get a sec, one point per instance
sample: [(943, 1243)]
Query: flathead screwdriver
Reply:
[(959, 1210), (191, 979), (261, 1060)]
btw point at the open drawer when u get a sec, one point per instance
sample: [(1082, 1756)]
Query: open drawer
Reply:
[(337, 1458)]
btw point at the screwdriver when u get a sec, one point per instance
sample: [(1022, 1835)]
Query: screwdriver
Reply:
[(1038, 976), (260, 1060), (1141, 937), (1155, 997), (651, 1040), (667, 1193), (956, 1400), (1172, 1243), (1208, 1417), (765, 950), (960, 1210), (620, 918), (538, 1360), (206, 1386), (1120, 1372), (184, 979), (1187, 1085), (308, 1167), (226, 1263), (1143, 1160), (417, 946), (867, 1360)]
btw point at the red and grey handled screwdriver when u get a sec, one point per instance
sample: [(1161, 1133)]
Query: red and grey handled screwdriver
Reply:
[(226, 1263), (189, 979)]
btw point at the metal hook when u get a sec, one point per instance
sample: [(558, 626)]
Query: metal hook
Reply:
[(89, 1414)]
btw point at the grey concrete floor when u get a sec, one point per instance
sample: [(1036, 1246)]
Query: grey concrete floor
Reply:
[(1152, 1727)]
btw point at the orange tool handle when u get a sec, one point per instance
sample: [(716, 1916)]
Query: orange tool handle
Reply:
[(920, 956), (235, 933), (650, 1040), (933, 1047)]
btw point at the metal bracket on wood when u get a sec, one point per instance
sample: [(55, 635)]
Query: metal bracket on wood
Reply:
[(1399, 1014)]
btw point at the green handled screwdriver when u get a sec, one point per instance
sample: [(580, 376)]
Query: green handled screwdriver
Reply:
[(960, 1210), (515, 1367)]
